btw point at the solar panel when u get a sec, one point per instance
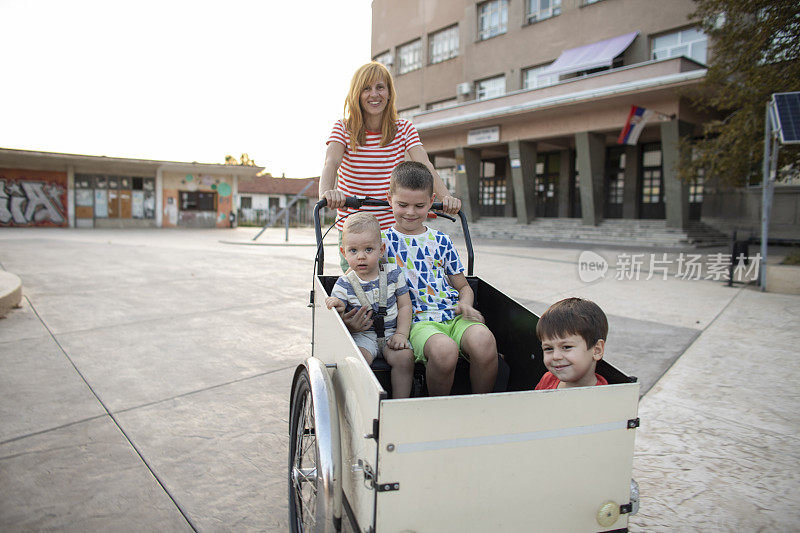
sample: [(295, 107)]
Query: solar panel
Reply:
[(787, 113)]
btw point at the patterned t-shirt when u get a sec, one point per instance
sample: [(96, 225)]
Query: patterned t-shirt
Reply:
[(366, 171), (426, 259), (395, 286)]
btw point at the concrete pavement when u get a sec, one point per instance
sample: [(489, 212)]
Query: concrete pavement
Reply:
[(144, 382)]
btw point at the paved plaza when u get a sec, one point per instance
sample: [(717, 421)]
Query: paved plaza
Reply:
[(144, 381)]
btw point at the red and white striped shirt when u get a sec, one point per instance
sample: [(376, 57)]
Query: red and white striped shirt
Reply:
[(367, 171)]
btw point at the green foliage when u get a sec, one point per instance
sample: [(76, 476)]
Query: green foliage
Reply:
[(755, 51), (243, 161)]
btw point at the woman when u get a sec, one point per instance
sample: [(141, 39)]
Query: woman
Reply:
[(368, 144)]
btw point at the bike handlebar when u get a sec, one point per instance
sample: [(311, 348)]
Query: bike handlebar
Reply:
[(353, 202)]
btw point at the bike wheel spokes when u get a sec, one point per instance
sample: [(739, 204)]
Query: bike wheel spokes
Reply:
[(304, 470)]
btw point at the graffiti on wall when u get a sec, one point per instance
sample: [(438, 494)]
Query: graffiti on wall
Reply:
[(33, 200)]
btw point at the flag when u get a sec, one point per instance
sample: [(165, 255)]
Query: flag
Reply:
[(635, 124)]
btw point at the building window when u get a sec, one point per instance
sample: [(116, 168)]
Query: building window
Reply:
[(532, 79), (443, 45), (616, 177), (490, 87), (492, 18), (384, 58), (408, 113), (651, 176), (691, 43), (696, 190), (543, 9), (696, 185), (410, 56), (247, 202), (198, 201), (442, 103)]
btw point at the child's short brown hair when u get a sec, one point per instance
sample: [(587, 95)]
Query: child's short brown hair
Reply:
[(573, 316), (411, 175), (361, 222)]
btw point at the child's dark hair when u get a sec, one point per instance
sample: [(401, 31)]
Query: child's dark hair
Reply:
[(411, 175), (573, 316)]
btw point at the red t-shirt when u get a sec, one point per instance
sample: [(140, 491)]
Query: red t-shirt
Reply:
[(549, 381)]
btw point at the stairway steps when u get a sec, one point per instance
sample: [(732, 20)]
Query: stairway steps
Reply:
[(610, 231)]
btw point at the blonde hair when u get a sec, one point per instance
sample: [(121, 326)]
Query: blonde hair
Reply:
[(361, 222), (365, 76)]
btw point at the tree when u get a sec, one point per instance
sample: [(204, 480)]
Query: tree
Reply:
[(756, 52), (243, 161)]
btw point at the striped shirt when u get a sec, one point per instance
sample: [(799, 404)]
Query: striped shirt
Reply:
[(395, 286), (367, 171)]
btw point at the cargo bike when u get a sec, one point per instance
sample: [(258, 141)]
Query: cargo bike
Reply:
[(512, 460)]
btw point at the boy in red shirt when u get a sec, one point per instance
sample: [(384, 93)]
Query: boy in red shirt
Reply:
[(573, 333)]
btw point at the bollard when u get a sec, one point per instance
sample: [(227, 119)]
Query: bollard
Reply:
[(738, 249)]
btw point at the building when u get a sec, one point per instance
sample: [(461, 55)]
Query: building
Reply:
[(522, 102), (262, 198), (69, 190)]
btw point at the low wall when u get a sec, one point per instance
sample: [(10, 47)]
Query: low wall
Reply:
[(739, 210)]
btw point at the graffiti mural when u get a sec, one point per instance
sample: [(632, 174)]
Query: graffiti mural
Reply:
[(33, 198)]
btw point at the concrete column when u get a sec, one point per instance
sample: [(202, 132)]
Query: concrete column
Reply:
[(631, 194), (676, 192), (522, 157), (468, 176), (564, 174), (591, 148), (159, 198), (71, 196), (509, 209)]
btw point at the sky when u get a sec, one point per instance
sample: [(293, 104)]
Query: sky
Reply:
[(180, 80)]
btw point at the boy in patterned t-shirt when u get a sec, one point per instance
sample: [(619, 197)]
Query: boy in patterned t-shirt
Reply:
[(445, 324)]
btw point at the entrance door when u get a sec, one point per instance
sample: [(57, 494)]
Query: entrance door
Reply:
[(651, 201), (546, 185), (615, 182), (113, 197), (696, 198), (493, 193), (575, 210)]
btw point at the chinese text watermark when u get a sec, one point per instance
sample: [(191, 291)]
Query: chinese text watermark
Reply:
[(684, 266)]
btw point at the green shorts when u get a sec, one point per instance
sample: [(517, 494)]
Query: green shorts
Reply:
[(422, 331)]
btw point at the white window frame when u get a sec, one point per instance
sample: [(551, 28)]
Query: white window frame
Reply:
[(442, 104), (531, 80), (490, 87), (443, 44), (542, 9), (688, 44), (385, 58), (409, 112), (492, 18), (410, 56)]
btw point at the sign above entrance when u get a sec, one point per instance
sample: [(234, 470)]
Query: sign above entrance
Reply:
[(483, 135)]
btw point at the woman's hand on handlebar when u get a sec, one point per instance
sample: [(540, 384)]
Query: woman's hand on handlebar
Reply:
[(335, 198), (451, 205)]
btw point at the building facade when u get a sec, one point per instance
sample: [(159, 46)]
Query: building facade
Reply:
[(69, 190), (523, 101), (262, 198)]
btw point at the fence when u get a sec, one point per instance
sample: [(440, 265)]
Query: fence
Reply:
[(299, 215)]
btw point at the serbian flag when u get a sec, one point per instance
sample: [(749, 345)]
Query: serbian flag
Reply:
[(635, 124)]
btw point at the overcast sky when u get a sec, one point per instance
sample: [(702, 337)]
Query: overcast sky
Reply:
[(180, 80)]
